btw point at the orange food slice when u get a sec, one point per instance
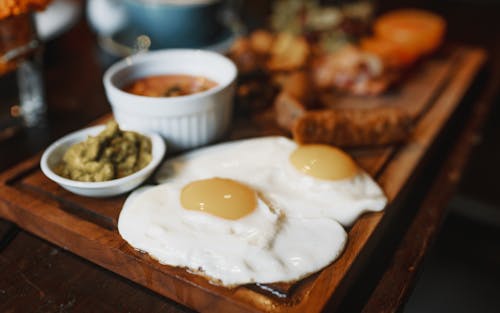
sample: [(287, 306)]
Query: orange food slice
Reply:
[(415, 30), (392, 54)]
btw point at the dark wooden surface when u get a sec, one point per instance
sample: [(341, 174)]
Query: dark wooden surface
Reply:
[(36, 276)]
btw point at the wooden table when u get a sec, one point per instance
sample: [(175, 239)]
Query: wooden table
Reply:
[(36, 276)]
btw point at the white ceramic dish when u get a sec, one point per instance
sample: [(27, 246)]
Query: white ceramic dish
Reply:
[(186, 121), (54, 153), (59, 17)]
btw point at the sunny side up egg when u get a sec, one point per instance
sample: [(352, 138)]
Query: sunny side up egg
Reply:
[(303, 181), (263, 246), (283, 210)]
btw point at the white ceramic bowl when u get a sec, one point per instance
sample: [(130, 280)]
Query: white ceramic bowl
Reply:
[(186, 121), (54, 153)]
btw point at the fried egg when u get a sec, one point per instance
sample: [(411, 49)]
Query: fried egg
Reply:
[(260, 246), (303, 181)]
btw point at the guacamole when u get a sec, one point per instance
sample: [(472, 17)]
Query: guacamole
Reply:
[(111, 154)]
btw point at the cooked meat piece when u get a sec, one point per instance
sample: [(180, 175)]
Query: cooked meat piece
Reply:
[(371, 86), (353, 70), (288, 53), (245, 58), (352, 127), (297, 84), (261, 41)]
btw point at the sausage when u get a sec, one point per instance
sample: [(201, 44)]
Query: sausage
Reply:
[(352, 127)]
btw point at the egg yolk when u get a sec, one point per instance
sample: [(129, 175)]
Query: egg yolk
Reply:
[(323, 162), (221, 197)]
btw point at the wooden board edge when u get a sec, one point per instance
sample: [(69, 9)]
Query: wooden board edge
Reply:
[(428, 128), (390, 294)]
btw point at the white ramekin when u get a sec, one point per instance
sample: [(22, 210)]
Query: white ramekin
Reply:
[(53, 155), (184, 122)]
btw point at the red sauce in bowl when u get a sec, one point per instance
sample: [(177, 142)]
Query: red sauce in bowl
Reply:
[(169, 85)]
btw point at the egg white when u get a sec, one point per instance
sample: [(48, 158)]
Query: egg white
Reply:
[(262, 247)]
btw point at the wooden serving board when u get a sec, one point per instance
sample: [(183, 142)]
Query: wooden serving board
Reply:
[(87, 226)]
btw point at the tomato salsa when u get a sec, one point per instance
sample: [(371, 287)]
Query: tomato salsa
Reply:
[(169, 85)]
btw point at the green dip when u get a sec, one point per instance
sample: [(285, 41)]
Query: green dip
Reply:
[(111, 154)]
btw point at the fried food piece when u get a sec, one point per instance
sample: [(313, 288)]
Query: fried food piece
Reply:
[(298, 85), (352, 127), (288, 110), (245, 58), (347, 127), (296, 96), (414, 30), (261, 41), (253, 95), (288, 53)]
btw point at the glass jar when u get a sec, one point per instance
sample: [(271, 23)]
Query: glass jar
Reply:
[(21, 97)]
